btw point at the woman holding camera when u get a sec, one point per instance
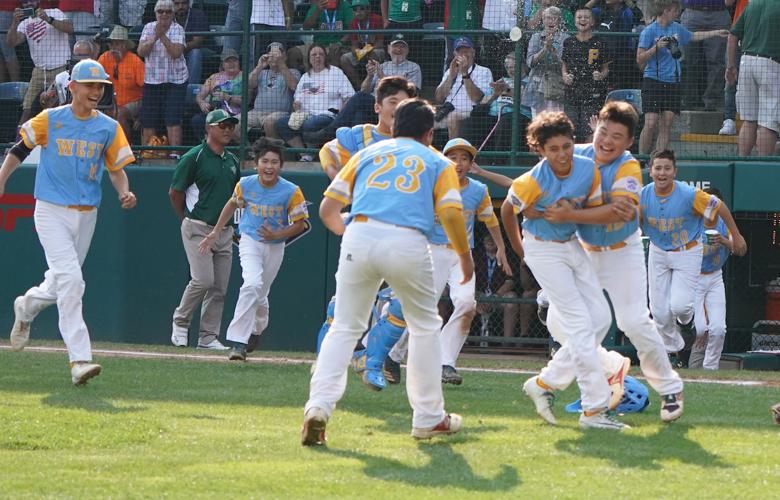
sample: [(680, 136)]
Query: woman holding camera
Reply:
[(221, 91), (545, 90), (659, 56)]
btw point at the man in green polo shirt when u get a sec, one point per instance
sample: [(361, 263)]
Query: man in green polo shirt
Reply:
[(758, 97), (202, 183)]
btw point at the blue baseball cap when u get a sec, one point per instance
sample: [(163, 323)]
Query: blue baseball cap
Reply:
[(88, 71), (463, 41), (459, 143)]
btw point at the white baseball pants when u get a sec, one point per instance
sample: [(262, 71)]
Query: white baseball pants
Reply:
[(370, 252), (622, 274), (710, 322), (674, 277), (566, 273), (65, 235), (260, 263)]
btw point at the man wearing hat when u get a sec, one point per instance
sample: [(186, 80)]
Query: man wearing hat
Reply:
[(362, 44), (78, 143), (398, 65), (202, 183), (126, 72), (463, 86)]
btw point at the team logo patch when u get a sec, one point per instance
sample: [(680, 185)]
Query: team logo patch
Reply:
[(632, 185), (94, 70)]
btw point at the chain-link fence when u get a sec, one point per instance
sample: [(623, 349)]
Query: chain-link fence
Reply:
[(298, 70)]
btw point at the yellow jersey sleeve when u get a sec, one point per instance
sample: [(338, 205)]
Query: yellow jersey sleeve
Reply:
[(706, 205), (628, 181), (446, 191), (595, 196), (333, 155), (341, 187), (524, 192), (238, 195), (35, 131), (296, 207), (118, 154), (485, 211)]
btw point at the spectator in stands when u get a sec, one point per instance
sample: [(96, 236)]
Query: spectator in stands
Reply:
[(362, 45), (329, 15), (499, 15), (758, 91), (493, 281), (131, 12), (463, 85), (616, 16), (58, 93), (459, 14), (274, 83), (9, 65), (729, 126), (705, 61), (398, 65), (222, 90), (192, 20), (545, 89), (585, 70), (321, 93), (47, 38), (81, 14), (126, 72), (165, 74), (404, 15), (565, 17), (659, 54), (268, 15)]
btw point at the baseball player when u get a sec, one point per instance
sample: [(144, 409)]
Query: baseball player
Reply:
[(710, 302), (77, 142), (610, 235), (559, 263), (395, 187), (273, 209), (672, 213)]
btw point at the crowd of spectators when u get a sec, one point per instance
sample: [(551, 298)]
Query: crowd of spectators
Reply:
[(303, 85)]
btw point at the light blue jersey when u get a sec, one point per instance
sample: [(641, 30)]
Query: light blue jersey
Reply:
[(675, 220), (541, 188), (714, 257), (662, 66), (476, 203), (349, 141), (622, 177), (276, 207)]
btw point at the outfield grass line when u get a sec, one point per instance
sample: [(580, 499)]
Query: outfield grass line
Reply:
[(293, 361)]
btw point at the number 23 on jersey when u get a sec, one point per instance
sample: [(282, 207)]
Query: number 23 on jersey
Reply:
[(408, 181)]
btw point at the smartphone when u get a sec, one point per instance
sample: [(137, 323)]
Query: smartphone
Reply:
[(28, 12)]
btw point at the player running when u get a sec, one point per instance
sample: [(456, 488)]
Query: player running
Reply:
[(395, 188), (77, 142)]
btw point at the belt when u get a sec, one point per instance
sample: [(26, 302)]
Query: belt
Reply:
[(552, 241), (775, 59), (363, 218), (594, 248), (687, 246), (82, 208), (445, 245)]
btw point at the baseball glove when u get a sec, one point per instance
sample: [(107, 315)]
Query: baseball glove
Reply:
[(776, 413)]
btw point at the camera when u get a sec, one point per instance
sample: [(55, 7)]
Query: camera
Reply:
[(28, 12), (102, 35), (674, 46)]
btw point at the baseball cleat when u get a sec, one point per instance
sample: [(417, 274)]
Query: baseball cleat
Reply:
[(313, 431), (602, 420), (374, 380), (672, 407), (617, 384), (81, 371), (178, 335), (20, 332), (237, 353), (358, 362), (449, 375), (254, 340), (392, 371), (451, 424), (543, 399), (214, 345)]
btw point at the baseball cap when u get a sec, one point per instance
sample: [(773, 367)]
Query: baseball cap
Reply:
[(228, 53), (88, 71), (463, 144), (360, 3), (463, 41), (398, 38), (275, 45), (218, 116)]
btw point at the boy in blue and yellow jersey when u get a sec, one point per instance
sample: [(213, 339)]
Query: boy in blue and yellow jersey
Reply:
[(389, 92), (672, 215), (273, 209), (395, 187), (710, 303), (559, 263), (610, 235), (77, 143)]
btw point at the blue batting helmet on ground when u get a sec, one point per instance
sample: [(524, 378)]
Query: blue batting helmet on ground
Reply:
[(635, 398)]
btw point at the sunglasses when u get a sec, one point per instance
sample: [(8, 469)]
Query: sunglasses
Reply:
[(167, 11), (226, 125)]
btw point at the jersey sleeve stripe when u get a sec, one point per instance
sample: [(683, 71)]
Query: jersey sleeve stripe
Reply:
[(124, 157)]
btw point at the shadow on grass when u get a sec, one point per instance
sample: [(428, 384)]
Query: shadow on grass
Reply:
[(76, 399), (642, 452), (446, 468)]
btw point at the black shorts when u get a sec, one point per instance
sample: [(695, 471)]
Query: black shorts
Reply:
[(660, 96)]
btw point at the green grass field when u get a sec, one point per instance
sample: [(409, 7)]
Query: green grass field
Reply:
[(176, 428)]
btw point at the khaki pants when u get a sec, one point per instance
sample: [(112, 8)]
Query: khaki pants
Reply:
[(39, 81), (209, 279)]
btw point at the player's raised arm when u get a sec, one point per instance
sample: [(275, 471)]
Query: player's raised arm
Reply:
[(739, 245)]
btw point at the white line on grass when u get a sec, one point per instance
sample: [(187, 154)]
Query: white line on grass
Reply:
[(293, 361)]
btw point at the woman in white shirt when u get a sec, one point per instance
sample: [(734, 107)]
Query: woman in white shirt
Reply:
[(320, 94)]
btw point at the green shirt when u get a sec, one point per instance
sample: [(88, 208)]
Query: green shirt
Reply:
[(332, 20), (757, 28), (404, 11), (463, 14), (208, 180)]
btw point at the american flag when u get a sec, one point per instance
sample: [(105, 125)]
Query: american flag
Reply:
[(35, 30)]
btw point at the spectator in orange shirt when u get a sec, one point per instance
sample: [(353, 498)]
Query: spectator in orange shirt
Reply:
[(126, 72)]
